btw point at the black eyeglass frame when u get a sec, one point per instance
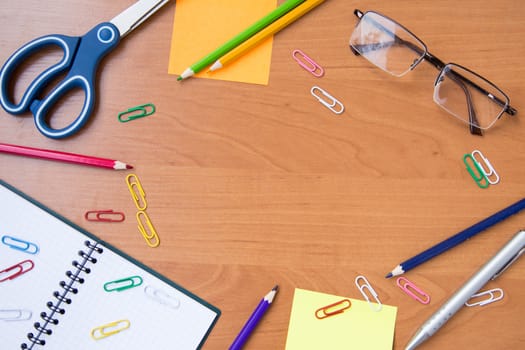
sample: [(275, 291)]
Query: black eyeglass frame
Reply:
[(441, 66)]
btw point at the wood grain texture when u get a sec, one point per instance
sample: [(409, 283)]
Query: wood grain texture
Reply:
[(250, 186)]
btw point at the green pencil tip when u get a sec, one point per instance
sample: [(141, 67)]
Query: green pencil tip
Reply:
[(179, 78)]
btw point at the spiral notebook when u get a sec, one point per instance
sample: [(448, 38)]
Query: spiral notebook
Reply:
[(63, 288)]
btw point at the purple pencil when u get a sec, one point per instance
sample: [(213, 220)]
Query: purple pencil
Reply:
[(254, 319)]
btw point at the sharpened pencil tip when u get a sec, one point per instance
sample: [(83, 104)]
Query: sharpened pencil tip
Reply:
[(179, 78), (389, 275), (129, 166), (276, 288)]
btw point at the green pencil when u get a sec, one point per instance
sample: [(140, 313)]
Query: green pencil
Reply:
[(240, 38)]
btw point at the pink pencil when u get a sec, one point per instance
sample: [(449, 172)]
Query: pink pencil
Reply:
[(64, 157)]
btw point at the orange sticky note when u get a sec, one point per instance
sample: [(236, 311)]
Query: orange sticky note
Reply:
[(200, 26)]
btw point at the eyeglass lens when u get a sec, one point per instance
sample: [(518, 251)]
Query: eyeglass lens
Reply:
[(386, 44), (469, 97)]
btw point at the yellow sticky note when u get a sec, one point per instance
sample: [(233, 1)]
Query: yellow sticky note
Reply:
[(358, 327), (201, 26)]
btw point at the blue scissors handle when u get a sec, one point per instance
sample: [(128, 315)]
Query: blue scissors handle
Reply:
[(81, 58)]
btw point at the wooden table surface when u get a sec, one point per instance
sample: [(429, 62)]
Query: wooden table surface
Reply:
[(250, 186)]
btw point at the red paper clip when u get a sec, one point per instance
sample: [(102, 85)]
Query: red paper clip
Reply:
[(18, 270), (333, 309), (104, 215)]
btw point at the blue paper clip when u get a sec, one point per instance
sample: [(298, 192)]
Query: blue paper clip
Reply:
[(141, 112), (19, 244)]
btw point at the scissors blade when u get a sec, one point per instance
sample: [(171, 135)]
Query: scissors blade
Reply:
[(134, 15)]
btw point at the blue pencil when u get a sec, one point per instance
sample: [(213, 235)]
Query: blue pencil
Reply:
[(254, 319), (456, 239)]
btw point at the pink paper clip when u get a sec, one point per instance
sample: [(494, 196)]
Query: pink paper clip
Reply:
[(16, 270), (307, 63), (408, 287), (104, 216)]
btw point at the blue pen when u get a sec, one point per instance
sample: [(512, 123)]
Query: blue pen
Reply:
[(254, 319), (79, 64), (457, 239)]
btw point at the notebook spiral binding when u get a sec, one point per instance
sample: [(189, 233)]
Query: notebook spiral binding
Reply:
[(63, 296)]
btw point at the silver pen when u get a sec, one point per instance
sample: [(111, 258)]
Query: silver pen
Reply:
[(492, 269)]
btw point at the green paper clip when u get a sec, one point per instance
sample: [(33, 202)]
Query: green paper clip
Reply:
[(123, 284), (142, 111), (480, 177)]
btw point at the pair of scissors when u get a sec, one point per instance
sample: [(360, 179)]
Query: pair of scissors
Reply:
[(79, 64)]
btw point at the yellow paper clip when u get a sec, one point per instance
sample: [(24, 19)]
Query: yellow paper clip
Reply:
[(333, 309), (136, 112), (137, 192), (109, 329), (148, 231), (366, 285)]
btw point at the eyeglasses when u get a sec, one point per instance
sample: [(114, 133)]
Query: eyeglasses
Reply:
[(461, 92)]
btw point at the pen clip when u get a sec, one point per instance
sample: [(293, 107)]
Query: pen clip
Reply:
[(510, 262)]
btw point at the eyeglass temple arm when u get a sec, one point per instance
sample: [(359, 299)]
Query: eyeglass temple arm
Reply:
[(439, 64), (458, 79)]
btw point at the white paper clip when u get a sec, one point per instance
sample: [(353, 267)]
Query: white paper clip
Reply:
[(486, 167), (162, 297), (15, 315), (366, 285), (307, 63), (492, 297), (327, 100)]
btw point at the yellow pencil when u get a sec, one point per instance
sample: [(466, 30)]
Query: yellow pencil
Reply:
[(273, 28)]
